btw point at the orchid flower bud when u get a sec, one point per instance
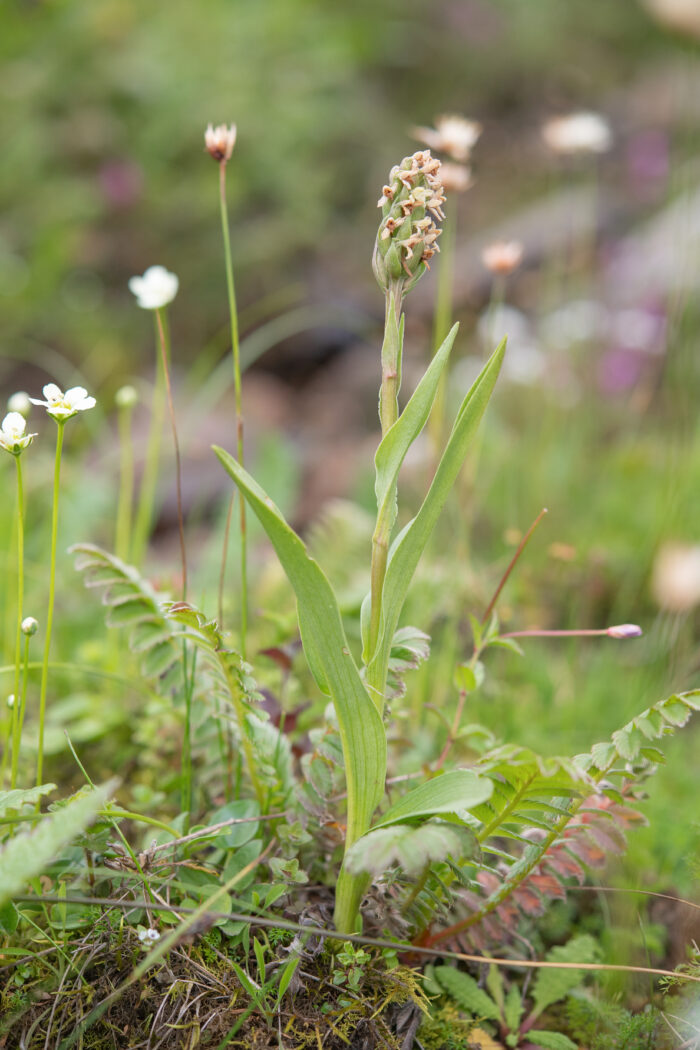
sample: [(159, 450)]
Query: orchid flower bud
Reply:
[(411, 206)]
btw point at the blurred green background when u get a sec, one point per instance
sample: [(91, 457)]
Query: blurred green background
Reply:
[(103, 108)]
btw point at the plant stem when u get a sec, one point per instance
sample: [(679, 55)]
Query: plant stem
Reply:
[(442, 322), (149, 480), (235, 350), (22, 704), (388, 414), (52, 594), (16, 730), (165, 355), (511, 565), (122, 540)]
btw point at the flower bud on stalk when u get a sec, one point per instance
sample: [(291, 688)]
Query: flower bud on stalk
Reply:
[(411, 206)]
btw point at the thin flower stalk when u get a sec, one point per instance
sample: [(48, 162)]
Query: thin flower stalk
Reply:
[(149, 482), (122, 540), (22, 705), (164, 342), (20, 603), (235, 350), (60, 426)]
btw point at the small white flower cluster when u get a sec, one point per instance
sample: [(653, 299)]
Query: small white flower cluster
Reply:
[(583, 132), (155, 289), (59, 405), (148, 935)]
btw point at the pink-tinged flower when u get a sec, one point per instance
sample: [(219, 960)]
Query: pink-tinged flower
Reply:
[(62, 406), (582, 132), (675, 580), (502, 257), (625, 630), (456, 178), (219, 141), (453, 135), (12, 434)]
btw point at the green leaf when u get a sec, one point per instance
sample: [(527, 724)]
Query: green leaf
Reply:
[(513, 1011), (28, 853), (13, 800), (411, 847), (406, 550), (550, 985), (328, 654), (452, 792), (551, 1040), (466, 993)]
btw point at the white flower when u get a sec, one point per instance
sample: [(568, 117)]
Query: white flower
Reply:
[(19, 402), (62, 406), (126, 397), (12, 436), (11, 700), (155, 289), (148, 935), (582, 132), (452, 135), (220, 140), (29, 625)]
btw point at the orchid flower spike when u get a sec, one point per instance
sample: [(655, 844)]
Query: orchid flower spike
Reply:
[(155, 289), (12, 436), (62, 406)]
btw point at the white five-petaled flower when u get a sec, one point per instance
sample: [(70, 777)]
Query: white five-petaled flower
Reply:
[(220, 140), (155, 289), (455, 136), (62, 406), (12, 434), (582, 132)]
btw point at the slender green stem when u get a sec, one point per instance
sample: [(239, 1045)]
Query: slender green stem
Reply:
[(164, 341), (52, 594), (235, 349), (22, 703), (388, 414), (122, 540), (149, 480), (442, 322), (20, 604)]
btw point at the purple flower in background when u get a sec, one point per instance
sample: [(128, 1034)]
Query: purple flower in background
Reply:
[(121, 182), (648, 164)]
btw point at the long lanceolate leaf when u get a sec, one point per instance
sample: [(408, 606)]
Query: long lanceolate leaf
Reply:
[(392, 451), (328, 654), (329, 657), (411, 541)]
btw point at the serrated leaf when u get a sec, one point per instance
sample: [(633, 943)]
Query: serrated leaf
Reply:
[(412, 848), (460, 789), (27, 854), (513, 1010), (551, 1040), (13, 800), (466, 993), (552, 985)]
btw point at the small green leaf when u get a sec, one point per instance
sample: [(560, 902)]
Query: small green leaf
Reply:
[(552, 985), (460, 789), (466, 993), (13, 800), (411, 847), (28, 853), (551, 1040), (464, 678)]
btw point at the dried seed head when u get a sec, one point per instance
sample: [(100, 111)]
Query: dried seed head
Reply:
[(456, 178), (219, 141), (502, 257), (456, 136), (411, 205), (29, 625)]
